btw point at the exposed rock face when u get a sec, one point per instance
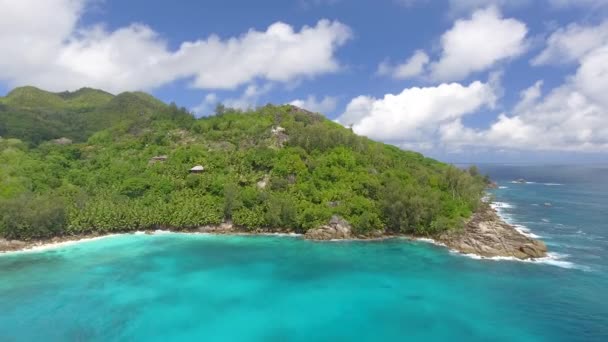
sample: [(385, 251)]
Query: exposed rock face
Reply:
[(223, 228), (489, 236), (281, 138), (296, 109), (333, 204), (11, 245), (337, 228), (62, 141), (264, 182)]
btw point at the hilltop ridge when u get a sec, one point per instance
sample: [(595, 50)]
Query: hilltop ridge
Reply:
[(35, 115)]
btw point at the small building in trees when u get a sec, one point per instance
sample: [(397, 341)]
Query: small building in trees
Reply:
[(197, 169)]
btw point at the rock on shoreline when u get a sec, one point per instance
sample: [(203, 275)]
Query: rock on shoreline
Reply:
[(11, 245), (337, 228), (487, 235)]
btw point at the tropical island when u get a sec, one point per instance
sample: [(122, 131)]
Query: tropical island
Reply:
[(89, 163)]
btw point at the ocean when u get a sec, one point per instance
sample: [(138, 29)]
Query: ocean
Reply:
[(183, 287)]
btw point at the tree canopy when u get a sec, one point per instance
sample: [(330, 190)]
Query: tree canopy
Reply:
[(273, 167)]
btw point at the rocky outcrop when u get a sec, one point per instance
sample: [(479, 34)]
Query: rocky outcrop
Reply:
[(11, 245), (263, 182), (487, 235), (281, 138), (62, 141), (337, 228), (223, 228)]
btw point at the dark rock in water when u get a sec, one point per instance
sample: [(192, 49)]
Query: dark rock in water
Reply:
[(489, 236), (536, 250), (492, 185), (337, 228), (520, 180), (547, 204)]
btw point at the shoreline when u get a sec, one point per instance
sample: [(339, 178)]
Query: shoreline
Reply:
[(554, 259), (501, 241), (58, 242)]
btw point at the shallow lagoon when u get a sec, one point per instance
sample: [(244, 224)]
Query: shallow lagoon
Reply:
[(269, 288), (277, 288)]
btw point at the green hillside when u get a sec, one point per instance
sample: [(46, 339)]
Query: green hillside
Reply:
[(275, 167), (34, 98), (35, 115)]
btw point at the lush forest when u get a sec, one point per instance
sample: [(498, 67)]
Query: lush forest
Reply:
[(83, 162)]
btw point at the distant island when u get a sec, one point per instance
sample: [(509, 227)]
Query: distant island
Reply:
[(89, 163)]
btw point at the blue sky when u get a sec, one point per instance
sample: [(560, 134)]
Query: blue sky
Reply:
[(467, 81)]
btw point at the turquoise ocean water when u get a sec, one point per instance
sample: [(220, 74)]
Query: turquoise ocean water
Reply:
[(171, 287)]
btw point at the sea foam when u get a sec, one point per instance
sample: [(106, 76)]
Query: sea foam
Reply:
[(501, 205), (523, 230), (552, 259)]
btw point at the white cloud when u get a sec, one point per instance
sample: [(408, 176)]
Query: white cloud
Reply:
[(472, 45), (567, 45), (250, 97), (414, 66), (49, 49), (592, 77), (414, 115), (571, 117), (564, 120), (206, 106), (477, 44), (311, 103), (529, 96), (276, 55)]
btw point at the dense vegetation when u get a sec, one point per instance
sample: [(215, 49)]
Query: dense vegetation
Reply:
[(275, 167)]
